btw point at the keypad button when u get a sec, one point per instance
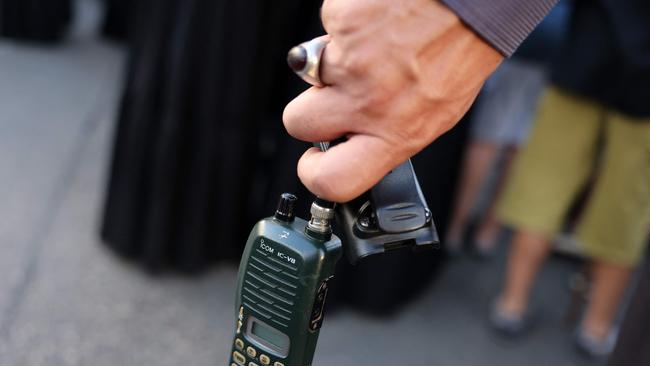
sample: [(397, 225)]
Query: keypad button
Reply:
[(233, 364), (265, 360), (252, 364), (239, 344), (239, 358), (251, 351), (278, 364)]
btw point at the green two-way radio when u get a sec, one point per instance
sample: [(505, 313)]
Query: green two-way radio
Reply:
[(287, 263), (282, 286)]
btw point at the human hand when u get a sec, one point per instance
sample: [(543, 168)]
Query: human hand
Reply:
[(399, 74)]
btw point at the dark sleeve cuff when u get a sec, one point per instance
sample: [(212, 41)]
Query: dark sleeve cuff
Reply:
[(502, 23)]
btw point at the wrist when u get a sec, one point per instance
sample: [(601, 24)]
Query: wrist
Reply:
[(504, 24)]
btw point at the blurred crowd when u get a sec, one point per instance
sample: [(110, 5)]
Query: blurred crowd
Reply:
[(566, 122), (553, 159)]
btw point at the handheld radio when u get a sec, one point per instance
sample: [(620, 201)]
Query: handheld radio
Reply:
[(282, 286)]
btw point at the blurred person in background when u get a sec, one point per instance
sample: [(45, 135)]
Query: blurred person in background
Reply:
[(594, 117), (198, 131), (500, 122)]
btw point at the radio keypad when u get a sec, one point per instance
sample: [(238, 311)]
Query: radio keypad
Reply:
[(251, 352), (239, 358), (265, 360), (239, 344)]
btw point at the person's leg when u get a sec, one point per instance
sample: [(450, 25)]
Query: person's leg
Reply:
[(614, 227), (550, 169), (527, 82), (490, 112), (609, 285), (528, 252), (489, 228), (479, 159)]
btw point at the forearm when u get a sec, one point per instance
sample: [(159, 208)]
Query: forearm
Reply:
[(502, 23)]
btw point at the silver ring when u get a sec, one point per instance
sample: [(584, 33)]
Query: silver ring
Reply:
[(305, 58)]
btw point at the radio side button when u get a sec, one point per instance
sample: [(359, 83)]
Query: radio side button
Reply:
[(319, 307)]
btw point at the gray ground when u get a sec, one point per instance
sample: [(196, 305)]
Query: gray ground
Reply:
[(65, 300)]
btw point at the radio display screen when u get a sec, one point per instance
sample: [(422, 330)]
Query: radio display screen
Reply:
[(268, 337)]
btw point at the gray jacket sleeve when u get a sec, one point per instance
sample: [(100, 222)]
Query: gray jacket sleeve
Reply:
[(502, 23)]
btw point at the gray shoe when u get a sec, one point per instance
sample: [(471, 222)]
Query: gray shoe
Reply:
[(593, 347), (510, 325)]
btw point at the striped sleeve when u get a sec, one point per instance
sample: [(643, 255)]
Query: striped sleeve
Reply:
[(502, 23)]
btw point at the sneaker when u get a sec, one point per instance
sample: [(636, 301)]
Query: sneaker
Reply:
[(508, 324), (593, 347)]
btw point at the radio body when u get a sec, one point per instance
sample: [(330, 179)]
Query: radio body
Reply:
[(281, 291)]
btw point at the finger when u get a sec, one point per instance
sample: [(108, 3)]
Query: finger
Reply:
[(330, 72), (347, 170), (319, 114), (322, 113)]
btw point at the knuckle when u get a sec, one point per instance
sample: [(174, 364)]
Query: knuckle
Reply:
[(336, 14), (378, 99), (327, 13), (356, 63)]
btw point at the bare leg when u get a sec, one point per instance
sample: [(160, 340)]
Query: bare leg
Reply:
[(528, 252), (609, 285), (488, 231), (479, 158)]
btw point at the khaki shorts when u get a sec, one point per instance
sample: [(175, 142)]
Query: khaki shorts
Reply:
[(557, 161)]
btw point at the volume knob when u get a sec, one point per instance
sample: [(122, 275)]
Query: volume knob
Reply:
[(286, 207)]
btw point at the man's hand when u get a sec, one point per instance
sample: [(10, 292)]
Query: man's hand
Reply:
[(399, 75)]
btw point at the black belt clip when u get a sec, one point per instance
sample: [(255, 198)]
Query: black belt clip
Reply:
[(392, 215)]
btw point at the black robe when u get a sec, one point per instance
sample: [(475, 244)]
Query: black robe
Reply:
[(117, 19), (35, 20)]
